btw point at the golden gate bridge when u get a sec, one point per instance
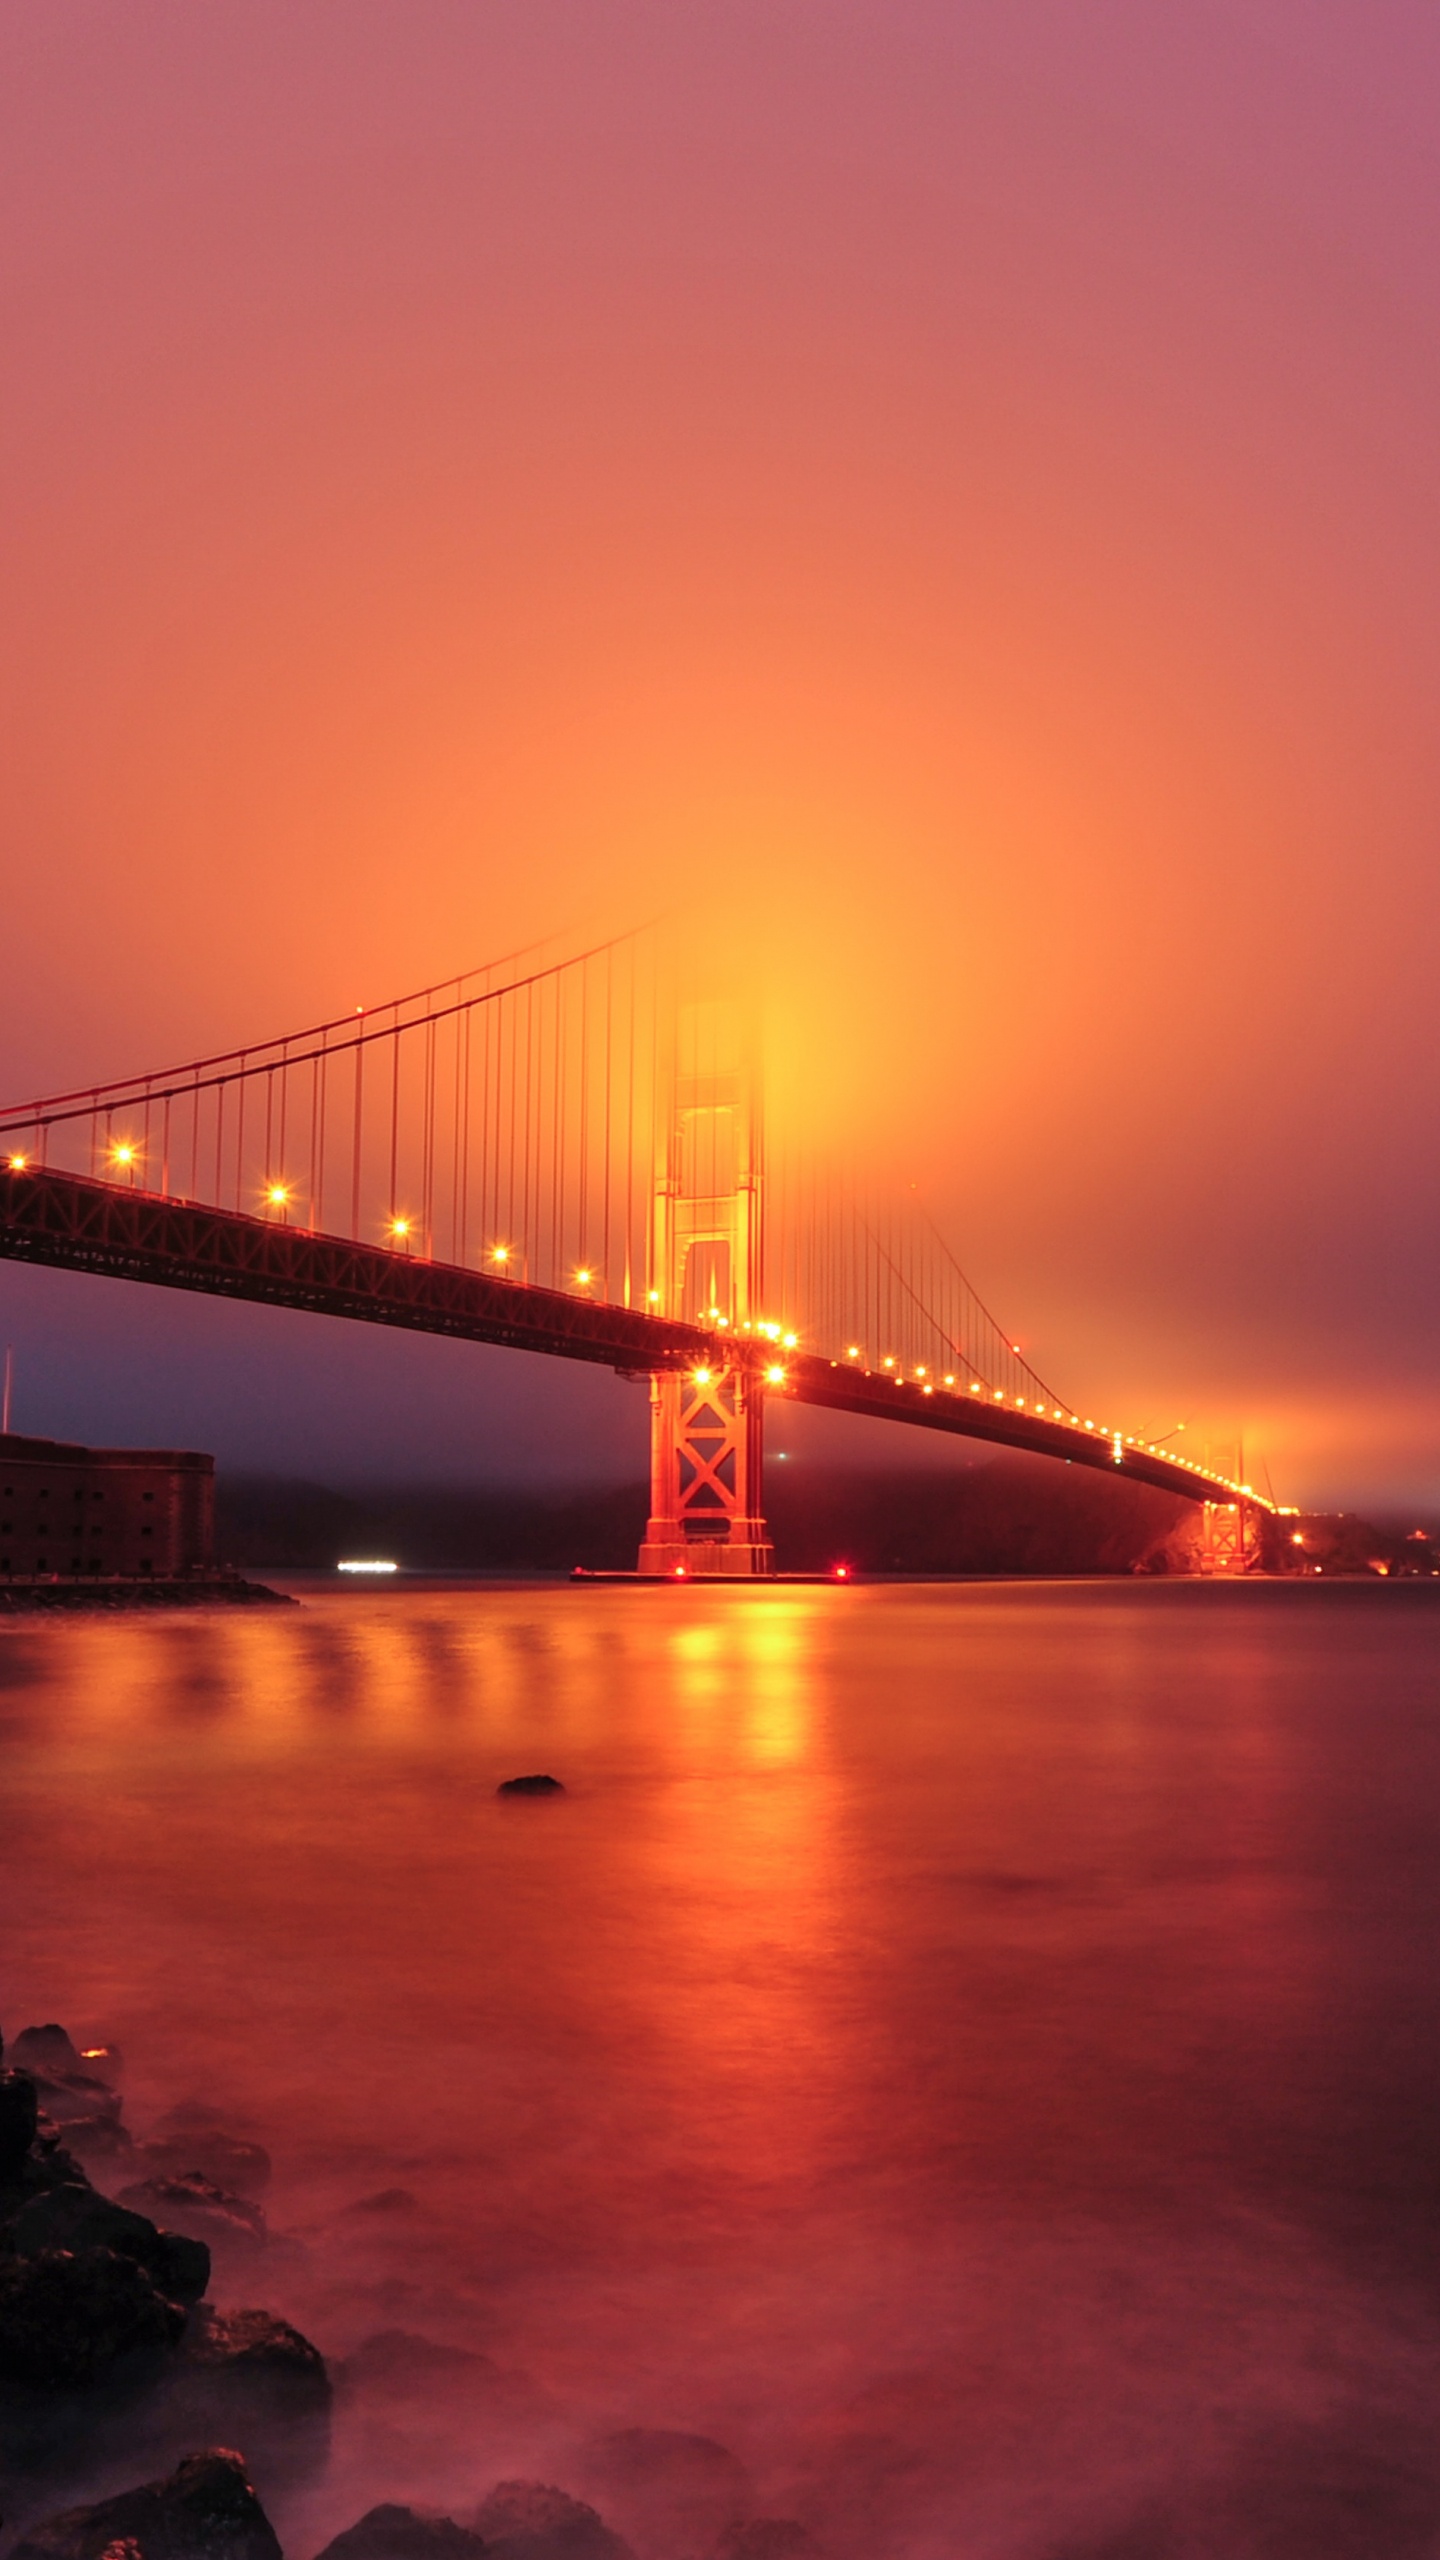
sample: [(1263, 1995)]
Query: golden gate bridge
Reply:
[(566, 1155)]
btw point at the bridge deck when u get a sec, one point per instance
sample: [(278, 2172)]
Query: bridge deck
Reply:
[(77, 1225)]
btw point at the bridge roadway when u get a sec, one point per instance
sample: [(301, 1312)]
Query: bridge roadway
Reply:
[(72, 1224)]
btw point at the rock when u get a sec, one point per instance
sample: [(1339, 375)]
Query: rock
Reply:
[(198, 2207), (524, 2520), (69, 2317), (206, 2510), (99, 2138), (766, 2538), (242, 2166), (672, 2492), (103, 2062), (251, 2361), (539, 1785), (76, 2217), (19, 2116), (405, 2533), (45, 2049), (67, 2097)]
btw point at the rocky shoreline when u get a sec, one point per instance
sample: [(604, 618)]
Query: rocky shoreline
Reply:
[(113, 2361), (207, 1591)]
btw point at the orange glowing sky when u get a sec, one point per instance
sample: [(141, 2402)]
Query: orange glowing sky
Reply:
[(950, 485)]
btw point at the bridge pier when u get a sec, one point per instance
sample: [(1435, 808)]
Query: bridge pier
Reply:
[(706, 1452), (707, 1423)]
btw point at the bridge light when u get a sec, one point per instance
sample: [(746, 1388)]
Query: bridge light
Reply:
[(18, 1163), (500, 1253), (790, 1341), (887, 1362), (122, 1152), (841, 1572), (775, 1377), (919, 1368), (399, 1227), (974, 1386), (927, 1389), (277, 1195), (999, 1395), (652, 1297), (703, 1377), (949, 1381), (854, 1351), (679, 1573), (583, 1279)]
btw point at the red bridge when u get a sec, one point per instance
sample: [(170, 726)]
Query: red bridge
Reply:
[(567, 1159)]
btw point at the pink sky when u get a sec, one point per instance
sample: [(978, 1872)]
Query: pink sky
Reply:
[(960, 479)]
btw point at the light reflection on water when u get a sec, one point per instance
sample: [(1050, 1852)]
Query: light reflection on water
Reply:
[(973, 2051)]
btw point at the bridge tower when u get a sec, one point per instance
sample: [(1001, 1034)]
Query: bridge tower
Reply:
[(707, 1423)]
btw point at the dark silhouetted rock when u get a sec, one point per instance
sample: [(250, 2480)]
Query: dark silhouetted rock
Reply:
[(252, 2362), (199, 2208), (68, 2318), (19, 2116), (45, 2049), (539, 1785), (405, 2533), (766, 2538), (671, 2492), (76, 2217), (206, 2510), (524, 2520), (67, 2097)]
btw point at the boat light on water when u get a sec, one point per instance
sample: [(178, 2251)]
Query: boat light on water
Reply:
[(367, 1564)]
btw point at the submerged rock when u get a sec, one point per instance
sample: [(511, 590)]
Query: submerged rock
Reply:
[(405, 2533), (538, 1785), (673, 2492), (767, 2538), (525, 2520), (252, 2360), (76, 2217), (71, 2317), (240, 2166), (198, 2207), (205, 2510)]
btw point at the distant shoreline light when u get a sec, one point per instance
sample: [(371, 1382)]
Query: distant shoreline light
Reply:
[(367, 1564)]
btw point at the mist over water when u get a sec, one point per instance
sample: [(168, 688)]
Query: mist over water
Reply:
[(971, 2052)]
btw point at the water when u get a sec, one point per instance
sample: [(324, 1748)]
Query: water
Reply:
[(973, 2052)]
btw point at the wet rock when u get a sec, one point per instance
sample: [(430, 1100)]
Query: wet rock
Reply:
[(68, 2096), (405, 2533), (45, 2049), (19, 2117), (538, 1785), (100, 2138), (250, 2361), (76, 2217), (670, 2492), (199, 2208), (525, 2520), (766, 2538), (206, 2510), (71, 2317), (240, 2166)]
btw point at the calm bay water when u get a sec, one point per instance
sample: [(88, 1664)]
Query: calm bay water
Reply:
[(974, 2052)]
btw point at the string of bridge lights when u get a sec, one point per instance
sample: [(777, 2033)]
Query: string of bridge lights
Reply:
[(277, 1195)]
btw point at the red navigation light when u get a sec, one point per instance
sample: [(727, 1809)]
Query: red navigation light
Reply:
[(679, 1573), (840, 1572)]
